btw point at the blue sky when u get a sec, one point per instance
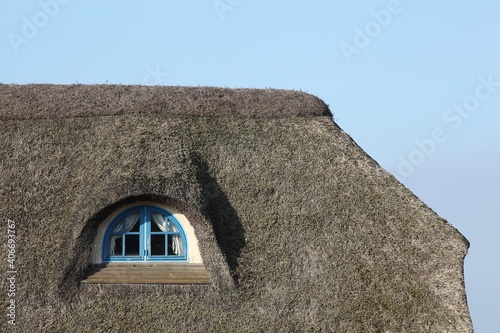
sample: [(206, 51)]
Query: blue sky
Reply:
[(415, 83)]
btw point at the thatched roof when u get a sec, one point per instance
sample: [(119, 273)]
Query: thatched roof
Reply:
[(299, 229), (66, 101)]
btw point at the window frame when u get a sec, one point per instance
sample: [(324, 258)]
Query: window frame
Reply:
[(145, 223)]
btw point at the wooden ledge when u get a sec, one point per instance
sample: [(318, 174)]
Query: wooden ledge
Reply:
[(138, 272)]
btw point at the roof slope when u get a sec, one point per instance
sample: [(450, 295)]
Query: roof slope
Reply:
[(299, 229)]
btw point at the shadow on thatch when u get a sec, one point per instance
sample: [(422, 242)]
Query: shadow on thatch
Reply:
[(216, 207)]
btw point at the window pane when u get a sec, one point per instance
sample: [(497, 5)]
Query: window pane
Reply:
[(136, 226), (158, 223), (157, 245), (131, 223), (155, 227), (116, 245), (131, 245), (118, 226), (171, 227), (174, 245)]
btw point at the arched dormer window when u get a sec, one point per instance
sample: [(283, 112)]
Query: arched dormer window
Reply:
[(143, 243), (145, 233)]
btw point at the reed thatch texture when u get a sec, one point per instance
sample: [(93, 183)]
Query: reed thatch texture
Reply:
[(298, 227), (63, 101)]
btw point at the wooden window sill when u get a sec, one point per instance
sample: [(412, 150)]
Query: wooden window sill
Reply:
[(151, 272)]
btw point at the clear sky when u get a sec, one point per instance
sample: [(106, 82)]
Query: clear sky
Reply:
[(415, 83)]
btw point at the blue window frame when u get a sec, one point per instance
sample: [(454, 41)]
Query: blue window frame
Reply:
[(144, 233)]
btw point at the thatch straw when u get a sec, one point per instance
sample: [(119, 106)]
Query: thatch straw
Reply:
[(300, 230), (54, 101)]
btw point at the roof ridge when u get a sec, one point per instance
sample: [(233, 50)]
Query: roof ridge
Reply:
[(42, 101)]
